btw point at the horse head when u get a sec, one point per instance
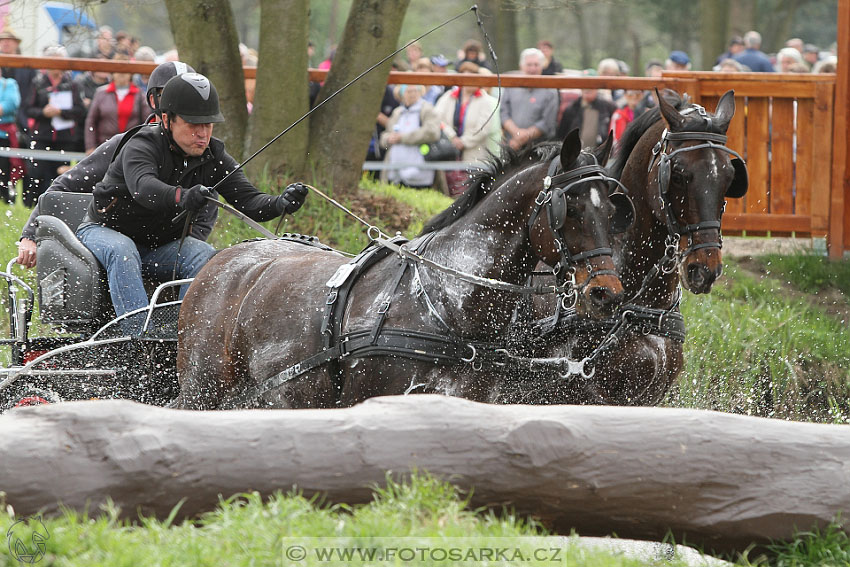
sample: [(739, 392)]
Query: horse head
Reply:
[(580, 215), (694, 173)]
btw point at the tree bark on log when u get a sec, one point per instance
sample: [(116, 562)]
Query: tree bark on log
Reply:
[(717, 480)]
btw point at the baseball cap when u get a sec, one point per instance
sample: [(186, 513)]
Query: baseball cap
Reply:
[(440, 60), (679, 57)]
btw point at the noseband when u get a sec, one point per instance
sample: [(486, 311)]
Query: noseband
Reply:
[(556, 186), (675, 231)]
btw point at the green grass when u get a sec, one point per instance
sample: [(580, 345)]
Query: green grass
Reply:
[(752, 350), (245, 530), (810, 273), (332, 225)]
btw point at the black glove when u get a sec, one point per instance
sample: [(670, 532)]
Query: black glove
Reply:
[(292, 199), (194, 198)]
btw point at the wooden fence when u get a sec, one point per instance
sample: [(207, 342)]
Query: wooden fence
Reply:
[(784, 126)]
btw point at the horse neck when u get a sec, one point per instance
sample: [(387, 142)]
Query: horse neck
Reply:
[(491, 240), (643, 244)]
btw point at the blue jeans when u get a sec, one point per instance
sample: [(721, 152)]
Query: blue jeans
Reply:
[(127, 262)]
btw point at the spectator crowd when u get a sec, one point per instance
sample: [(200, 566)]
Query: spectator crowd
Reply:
[(57, 110)]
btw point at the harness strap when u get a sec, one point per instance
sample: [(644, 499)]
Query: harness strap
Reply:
[(385, 305), (342, 282), (391, 342)]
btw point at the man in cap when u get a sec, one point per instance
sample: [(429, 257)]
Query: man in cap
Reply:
[(161, 173), (678, 61), (87, 172)]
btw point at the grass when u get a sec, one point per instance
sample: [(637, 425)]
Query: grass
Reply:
[(753, 350), (332, 225), (245, 530), (809, 272)]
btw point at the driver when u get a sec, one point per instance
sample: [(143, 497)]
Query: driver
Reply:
[(163, 170), (82, 177)]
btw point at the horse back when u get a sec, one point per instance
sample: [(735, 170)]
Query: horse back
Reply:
[(246, 296)]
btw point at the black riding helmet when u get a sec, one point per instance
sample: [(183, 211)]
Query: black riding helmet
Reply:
[(161, 75), (192, 97)]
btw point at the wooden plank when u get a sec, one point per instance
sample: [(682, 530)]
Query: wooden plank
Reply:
[(761, 89), (839, 221), (782, 156), (757, 159), (719, 481), (822, 159), (806, 141), (765, 222), (737, 142)]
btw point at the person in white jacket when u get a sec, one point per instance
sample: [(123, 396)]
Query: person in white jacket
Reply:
[(411, 124), (466, 116)]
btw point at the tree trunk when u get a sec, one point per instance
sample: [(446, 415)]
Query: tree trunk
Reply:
[(282, 95), (742, 16), (206, 38), (713, 35), (500, 21), (340, 131), (718, 481), (583, 37)]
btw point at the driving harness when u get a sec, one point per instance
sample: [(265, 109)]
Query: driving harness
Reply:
[(419, 345)]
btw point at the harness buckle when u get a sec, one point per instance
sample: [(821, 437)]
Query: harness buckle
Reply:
[(384, 307), (332, 297), (543, 197), (474, 354), (577, 368)]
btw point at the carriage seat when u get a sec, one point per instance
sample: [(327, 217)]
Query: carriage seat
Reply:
[(72, 285)]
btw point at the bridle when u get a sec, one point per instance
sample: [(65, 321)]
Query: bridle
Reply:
[(556, 186), (663, 159)]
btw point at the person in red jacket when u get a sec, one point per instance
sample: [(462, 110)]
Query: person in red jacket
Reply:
[(115, 108)]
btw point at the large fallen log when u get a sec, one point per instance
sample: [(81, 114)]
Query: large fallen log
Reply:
[(717, 480)]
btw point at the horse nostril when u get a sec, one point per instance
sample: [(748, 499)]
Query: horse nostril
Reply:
[(602, 296), (700, 276)]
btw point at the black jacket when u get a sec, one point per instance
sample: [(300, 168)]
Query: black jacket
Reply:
[(90, 170), (574, 116), (39, 96), (137, 197)]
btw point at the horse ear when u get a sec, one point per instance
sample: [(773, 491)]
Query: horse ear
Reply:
[(675, 121), (725, 110), (570, 150), (603, 150)]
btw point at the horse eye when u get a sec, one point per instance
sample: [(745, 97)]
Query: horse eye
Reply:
[(572, 211), (680, 176)]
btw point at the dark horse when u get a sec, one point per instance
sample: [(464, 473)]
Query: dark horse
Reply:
[(276, 323), (679, 173)]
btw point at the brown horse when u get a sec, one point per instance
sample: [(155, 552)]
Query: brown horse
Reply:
[(678, 171), (279, 324)]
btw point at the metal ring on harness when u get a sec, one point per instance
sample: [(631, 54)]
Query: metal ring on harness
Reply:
[(474, 354), (378, 233)]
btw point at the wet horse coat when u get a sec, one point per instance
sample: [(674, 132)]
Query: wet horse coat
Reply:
[(256, 309), (678, 172)]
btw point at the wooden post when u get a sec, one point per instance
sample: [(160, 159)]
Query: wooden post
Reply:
[(839, 236)]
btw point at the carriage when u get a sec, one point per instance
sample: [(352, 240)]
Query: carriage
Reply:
[(81, 351)]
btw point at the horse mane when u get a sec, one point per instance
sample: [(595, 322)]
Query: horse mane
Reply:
[(482, 180), (637, 128)]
